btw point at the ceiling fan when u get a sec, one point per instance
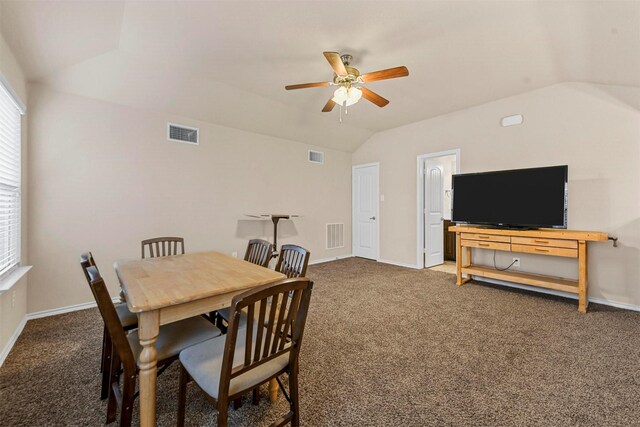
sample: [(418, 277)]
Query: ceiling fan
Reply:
[(351, 82)]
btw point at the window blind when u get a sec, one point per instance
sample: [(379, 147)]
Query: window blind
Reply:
[(10, 141)]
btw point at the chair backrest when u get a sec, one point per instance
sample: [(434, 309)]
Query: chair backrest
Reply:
[(108, 312), (86, 261), (259, 252), (293, 261), (287, 302), (162, 246)]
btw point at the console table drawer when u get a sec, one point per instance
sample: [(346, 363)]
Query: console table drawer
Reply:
[(486, 237), (487, 245), (545, 250), (556, 243)]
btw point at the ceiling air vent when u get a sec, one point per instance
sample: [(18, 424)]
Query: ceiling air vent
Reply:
[(316, 156), (181, 133)]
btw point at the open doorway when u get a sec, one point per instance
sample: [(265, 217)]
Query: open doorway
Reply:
[(435, 244)]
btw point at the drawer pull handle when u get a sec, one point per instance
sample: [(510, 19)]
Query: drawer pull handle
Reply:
[(484, 237), (544, 242), (483, 244), (542, 250)]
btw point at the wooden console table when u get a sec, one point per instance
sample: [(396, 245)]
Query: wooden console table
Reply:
[(545, 241)]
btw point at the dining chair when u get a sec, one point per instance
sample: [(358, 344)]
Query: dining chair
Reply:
[(226, 367), (293, 261), (128, 320), (126, 349), (258, 252), (163, 246)]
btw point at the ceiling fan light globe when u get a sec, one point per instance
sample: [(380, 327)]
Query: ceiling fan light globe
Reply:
[(346, 97)]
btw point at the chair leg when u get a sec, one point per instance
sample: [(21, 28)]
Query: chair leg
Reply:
[(182, 395), (293, 392), (237, 403), (107, 355), (220, 323), (128, 392), (112, 380), (223, 412), (104, 348), (256, 395)]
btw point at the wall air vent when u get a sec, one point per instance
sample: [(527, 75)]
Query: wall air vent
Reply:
[(184, 134), (316, 156), (335, 236)]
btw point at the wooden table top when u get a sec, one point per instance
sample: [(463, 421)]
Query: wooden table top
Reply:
[(154, 283)]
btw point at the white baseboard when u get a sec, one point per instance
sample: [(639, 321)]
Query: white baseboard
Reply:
[(602, 301), (335, 258), (399, 264), (67, 309), (7, 348)]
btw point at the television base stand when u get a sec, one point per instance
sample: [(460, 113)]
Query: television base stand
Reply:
[(545, 241)]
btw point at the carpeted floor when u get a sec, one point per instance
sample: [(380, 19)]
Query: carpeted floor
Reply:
[(384, 346)]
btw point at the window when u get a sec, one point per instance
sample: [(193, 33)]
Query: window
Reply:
[(11, 111)]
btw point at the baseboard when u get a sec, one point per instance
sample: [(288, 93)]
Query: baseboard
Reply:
[(399, 264), (335, 258), (67, 309), (7, 348), (602, 301)]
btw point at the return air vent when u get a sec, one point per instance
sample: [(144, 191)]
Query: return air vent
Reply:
[(181, 133), (316, 156), (335, 236)]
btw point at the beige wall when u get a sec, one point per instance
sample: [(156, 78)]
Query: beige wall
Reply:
[(595, 129), (104, 177), (13, 303)]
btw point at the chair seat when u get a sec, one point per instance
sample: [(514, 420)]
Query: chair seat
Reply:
[(128, 319), (175, 337), (203, 362)]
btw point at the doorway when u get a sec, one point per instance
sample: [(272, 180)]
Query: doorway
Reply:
[(434, 198), (365, 193)]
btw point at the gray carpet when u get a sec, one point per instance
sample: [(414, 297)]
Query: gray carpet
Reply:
[(384, 346)]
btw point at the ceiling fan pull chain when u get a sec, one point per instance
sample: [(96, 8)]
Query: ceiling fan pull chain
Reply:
[(340, 113)]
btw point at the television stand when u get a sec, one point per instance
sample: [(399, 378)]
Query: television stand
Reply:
[(544, 241)]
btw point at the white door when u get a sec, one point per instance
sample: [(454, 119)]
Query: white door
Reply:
[(433, 214), (365, 211)]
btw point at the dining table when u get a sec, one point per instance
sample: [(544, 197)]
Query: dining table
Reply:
[(168, 289)]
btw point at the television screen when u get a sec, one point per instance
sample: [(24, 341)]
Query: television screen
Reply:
[(534, 197)]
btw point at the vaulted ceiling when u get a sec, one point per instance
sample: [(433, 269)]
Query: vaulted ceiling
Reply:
[(228, 62)]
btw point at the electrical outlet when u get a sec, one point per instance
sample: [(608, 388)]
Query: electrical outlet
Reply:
[(234, 254), (516, 262), (13, 299)]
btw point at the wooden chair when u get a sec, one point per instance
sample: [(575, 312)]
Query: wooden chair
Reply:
[(227, 367), (259, 252), (128, 320), (293, 261), (162, 246), (126, 349)]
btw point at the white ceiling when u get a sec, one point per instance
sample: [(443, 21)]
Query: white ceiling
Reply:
[(228, 62)]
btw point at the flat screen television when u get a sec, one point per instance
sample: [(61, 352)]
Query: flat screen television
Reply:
[(518, 198)]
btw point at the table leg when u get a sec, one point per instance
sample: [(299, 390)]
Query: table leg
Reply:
[(458, 260), (273, 390), (148, 330), (583, 302)]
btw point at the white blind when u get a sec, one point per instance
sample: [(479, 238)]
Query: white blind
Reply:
[(10, 135)]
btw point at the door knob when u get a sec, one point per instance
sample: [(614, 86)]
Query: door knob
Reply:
[(373, 217)]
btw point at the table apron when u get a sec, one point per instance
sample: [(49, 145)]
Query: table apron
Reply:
[(189, 309)]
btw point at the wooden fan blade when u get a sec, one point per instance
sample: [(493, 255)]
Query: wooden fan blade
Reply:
[(328, 106), (306, 85), (336, 63), (390, 73), (370, 95)]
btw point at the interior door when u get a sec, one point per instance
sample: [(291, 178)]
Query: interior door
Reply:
[(365, 211), (433, 214)]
